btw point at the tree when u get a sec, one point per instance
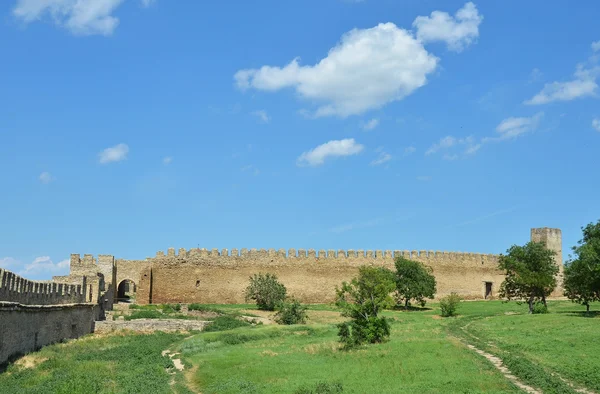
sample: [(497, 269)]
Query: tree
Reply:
[(530, 273), (362, 300), (266, 290), (414, 281), (582, 274)]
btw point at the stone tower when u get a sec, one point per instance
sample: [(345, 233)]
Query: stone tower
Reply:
[(552, 237)]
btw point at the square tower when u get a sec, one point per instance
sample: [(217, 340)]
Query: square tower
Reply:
[(552, 238)]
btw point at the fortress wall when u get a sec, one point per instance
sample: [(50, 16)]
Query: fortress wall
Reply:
[(199, 275), (130, 269), (14, 288), (25, 328)]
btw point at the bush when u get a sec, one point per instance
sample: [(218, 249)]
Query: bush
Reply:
[(223, 323), (266, 291), (449, 305), (359, 331), (291, 312), (539, 308), (144, 314), (203, 308), (321, 388)]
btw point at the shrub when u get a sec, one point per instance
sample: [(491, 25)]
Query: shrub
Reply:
[(223, 323), (449, 305), (539, 308), (144, 314), (291, 312), (321, 388), (203, 308), (362, 299), (266, 290)]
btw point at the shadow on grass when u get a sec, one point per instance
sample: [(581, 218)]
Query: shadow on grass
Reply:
[(411, 308), (590, 314)]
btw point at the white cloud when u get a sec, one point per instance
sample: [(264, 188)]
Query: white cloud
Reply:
[(167, 160), (409, 150), (513, 127), (113, 154), (596, 46), (583, 84), (82, 17), (596, 124), (457, 32), (449, 142), (535, 75), (8, 262), (44, 265), (262, 115), (423, 178), (383, 157), (371, 124), (45, 177), (334, 148), (147, 3), (367, 69)]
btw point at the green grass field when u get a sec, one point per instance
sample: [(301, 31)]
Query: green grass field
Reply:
[(425, 354)]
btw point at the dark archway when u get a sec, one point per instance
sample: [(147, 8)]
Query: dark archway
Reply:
[(126, 291)]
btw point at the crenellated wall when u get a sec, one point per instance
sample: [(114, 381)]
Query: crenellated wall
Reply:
[(213, 276), (14, 288)]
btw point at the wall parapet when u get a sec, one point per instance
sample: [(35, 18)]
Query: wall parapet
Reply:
[(14, 288), (323, 254)]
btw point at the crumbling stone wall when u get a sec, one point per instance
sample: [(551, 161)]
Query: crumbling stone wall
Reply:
[(14, 288)]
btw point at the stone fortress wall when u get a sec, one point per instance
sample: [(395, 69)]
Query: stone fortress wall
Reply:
[(213, 276), (37, 313)]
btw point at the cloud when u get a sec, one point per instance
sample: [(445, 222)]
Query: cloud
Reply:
[(447, 143), (513, 127), (367, 69), (383, 157), (334, 148), (371, 124), (457, 32), (147, 3), (409, 150), (167, 160), (535, 75), (582, 85), (596, 123), (46, 177), (262, 115), (423, 178), (41, 266), (80, 17), (113, 154), (44, 265), (596, 46)]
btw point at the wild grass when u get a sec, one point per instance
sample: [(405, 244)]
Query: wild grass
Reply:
[(129, 363)]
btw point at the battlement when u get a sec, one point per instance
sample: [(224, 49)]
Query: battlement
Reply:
[(322, 254), (14, 288)]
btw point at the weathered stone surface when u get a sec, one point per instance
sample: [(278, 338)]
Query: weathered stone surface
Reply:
[(149, 325)]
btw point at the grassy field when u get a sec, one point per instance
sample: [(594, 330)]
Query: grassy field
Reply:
[(425, 354)]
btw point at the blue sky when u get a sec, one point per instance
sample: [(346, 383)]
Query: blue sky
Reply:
[(127, 127)]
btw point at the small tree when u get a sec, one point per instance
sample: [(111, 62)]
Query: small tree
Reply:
[(582, 274), (291, 311), (362, 299), (414, 281), (530, 273), (266, 290)]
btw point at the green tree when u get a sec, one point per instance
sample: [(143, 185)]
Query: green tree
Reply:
[(530, 273), (362, 299), (291, 311), (266, 290), (582, 274), (414, 281)]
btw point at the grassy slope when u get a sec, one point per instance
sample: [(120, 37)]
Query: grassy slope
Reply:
[(565, 341), (420, 357), (113, 364)]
